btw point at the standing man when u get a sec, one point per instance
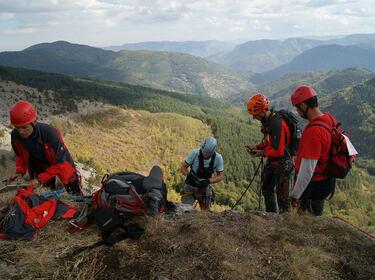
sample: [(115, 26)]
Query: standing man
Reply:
[(40, 150), (203, 163), (312, 186), (275, 147)]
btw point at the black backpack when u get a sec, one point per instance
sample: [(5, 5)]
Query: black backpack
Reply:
[(295, 132), (123, 195)]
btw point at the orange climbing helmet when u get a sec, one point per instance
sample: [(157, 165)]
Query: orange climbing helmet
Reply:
[(257, 104)]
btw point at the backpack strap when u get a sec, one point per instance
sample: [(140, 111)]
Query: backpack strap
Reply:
[(322, 124), (205, 172)]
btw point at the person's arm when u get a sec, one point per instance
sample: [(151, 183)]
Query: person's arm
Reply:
[(305, 174), (184, 168), (219, 170), (276, 149), (62, 167), (217, 178), (20, 162), (188, 162)]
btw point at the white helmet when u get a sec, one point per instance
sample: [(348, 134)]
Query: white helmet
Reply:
[(208, 145)]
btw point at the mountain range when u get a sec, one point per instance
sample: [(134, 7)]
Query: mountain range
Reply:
[(328, 57), (164, 70), (256, 56), (197, 48)]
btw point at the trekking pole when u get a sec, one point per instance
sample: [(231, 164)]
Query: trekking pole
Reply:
[(251, 182), (12, 187)]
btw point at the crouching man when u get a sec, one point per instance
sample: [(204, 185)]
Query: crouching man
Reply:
[(203, 162), (40, 151)]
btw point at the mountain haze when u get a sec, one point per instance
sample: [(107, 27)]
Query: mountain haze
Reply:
[(262, 55), (197, 48), (163, 70), (328, 57)]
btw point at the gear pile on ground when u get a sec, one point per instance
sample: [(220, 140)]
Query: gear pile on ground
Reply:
[(226, 245)]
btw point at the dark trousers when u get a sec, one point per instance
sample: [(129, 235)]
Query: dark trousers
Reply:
[(312, 199), (275, 179)]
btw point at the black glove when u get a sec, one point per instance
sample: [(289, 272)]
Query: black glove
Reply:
[(205, 182), (193, 179)]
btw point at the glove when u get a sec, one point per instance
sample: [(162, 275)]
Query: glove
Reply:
[(205, 182)]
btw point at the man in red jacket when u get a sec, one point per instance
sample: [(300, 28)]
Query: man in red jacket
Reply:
[(40, 150), (312, 186), (274, 147)]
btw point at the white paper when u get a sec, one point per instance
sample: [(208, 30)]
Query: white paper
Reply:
[(351, 150)]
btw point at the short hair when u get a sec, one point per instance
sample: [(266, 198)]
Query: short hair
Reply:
[(311, 102)]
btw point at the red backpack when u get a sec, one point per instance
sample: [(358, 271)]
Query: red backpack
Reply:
[(340, 161)]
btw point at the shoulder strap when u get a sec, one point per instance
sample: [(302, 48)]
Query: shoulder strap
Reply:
[(322, 124), (212, 162), (201, 160)]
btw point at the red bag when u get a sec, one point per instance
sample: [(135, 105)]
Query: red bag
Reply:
[(340, 161)]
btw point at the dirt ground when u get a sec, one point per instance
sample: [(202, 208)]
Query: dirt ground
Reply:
[(226, 245)]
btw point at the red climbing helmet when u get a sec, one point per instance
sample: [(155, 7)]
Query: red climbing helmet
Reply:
[(22, 113)]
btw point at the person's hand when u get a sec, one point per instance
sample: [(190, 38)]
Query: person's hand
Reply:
[(294, 202), (250, 148), (35, 182), (257, 153), (205, 182)]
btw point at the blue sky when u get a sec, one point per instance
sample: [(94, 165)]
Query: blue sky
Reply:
[(114, 22)]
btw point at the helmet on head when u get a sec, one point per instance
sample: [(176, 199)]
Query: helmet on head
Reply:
[(22, 113), (301, 94), (208, 145), (257, 104)]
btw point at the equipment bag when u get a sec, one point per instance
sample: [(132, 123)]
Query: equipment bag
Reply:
[(341, 159)]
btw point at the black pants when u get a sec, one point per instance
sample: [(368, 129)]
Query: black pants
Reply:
[(275, 180), (312, 199)]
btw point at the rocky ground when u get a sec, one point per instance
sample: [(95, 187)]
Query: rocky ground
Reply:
[(196, 245)]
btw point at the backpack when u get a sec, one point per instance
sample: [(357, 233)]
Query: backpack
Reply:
[(123, 195), (29, 212), (295, 132), (340, 159), (133, 193)]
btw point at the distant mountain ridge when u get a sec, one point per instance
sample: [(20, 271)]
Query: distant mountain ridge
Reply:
[(328, 57), (163, 70), (263, 55), (324, 82), (198, 48)]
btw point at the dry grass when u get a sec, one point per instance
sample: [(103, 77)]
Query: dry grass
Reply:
[(226, 245), (133, 140)]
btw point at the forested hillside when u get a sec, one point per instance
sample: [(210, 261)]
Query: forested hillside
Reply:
[(163, 70), (324, 82), (328, 57), (264, 55), (113, 132), (198, 48)]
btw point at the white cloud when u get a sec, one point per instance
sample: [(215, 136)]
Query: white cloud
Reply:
[(119, 21)]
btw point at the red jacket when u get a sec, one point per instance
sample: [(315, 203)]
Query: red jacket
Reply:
[(276, 137), (60, 163)]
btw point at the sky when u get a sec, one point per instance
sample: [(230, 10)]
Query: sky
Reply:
[(114, 22)]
